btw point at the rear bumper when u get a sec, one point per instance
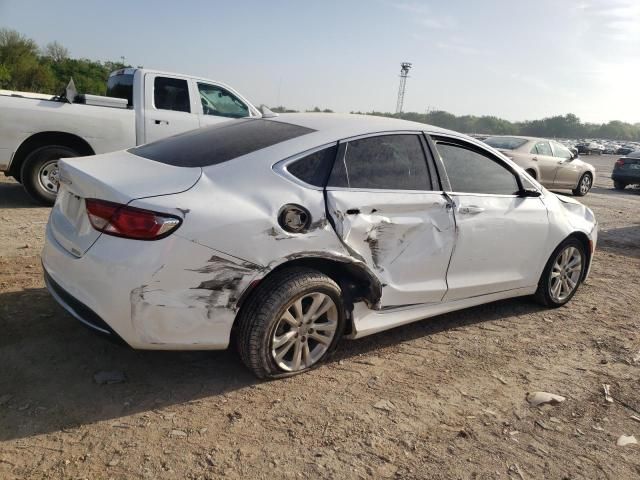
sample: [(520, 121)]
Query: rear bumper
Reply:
[(152, 295), (626, 177), (78, 310)]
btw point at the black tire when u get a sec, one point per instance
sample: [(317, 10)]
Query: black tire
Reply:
[(619, 185), (532, 173), (262, 311), (543, 293), (577, 191), (30, 171)]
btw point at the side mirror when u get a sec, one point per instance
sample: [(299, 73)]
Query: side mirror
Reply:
[(529, 192), (574, 154)]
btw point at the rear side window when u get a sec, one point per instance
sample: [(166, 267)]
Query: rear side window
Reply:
[(219, 143), (171, 94), (542, 148), (389, 162), (121, 86), (314, 168), (472, 172)]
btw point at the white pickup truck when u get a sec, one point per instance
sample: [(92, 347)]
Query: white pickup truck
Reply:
[(141, 106)]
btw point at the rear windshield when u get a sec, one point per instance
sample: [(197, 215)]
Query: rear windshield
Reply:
[(219, 143), (505, 143), (121, 86)]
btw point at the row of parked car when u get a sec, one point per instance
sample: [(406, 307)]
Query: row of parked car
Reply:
[(556, 163), (600, 147)]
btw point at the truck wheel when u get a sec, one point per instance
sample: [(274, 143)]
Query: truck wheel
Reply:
[(291, 323), (39, 172)]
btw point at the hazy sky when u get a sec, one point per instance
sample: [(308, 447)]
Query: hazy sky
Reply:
[(510, 58)]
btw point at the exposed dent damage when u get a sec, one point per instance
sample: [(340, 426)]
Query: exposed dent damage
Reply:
[(158, 314)]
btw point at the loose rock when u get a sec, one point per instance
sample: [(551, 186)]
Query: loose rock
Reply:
[(385, 405), (624, 440), (541, 398)]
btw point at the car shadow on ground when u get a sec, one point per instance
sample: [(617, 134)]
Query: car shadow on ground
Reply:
[(621, 241), (630, 190), (12, 195), (49, 361)]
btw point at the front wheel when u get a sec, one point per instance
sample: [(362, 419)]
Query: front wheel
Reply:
[(291, 323), (562, 274), (584, 185), (39, 172)]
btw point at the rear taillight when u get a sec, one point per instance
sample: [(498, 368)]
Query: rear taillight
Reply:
[(620, 162), (129, 222)]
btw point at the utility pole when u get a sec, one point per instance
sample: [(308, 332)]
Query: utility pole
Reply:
[(404, 74)]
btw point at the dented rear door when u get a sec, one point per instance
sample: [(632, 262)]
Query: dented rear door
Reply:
[(383, 207)]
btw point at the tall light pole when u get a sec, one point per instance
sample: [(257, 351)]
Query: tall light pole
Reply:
[(404, 74)]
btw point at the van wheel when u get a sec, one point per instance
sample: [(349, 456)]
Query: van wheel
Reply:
[(39, 172), (562, 274), (291, 323)]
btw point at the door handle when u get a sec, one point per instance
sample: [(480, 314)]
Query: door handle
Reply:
[(535, 159), (353, 211), (470, 210), (160, 122)]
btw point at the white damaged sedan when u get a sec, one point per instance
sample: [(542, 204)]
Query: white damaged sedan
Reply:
[(290, 233)]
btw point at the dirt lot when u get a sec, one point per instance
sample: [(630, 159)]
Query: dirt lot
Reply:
[(442, 398)]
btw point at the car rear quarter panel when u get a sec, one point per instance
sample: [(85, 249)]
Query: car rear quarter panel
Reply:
[(166, 294)]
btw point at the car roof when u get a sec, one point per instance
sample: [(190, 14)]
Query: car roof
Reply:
[(341, 125)]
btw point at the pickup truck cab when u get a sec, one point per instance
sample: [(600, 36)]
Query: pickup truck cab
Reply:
[(141, 106)]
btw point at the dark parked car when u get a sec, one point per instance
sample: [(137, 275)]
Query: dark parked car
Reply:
[(626, 171), (590, 147), (624, 150)]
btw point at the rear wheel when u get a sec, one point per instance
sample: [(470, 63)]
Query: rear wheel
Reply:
[(584, 185), (562, 274), (619, 185), (39, 172), (291, 323)]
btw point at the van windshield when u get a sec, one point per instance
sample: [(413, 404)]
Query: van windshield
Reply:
[(121, 86)]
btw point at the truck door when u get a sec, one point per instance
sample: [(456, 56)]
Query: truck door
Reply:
[(218, 104), (169, 106)]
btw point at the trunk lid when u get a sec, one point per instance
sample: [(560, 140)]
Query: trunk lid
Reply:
[(117, 177)]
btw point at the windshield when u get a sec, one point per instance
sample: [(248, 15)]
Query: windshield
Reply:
[(505, 143), (121, 86)]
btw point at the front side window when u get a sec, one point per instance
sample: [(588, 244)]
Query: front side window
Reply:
[(542, 148), (171, 94), (561, 151), (470, 171), (389, 162), (220, 103)]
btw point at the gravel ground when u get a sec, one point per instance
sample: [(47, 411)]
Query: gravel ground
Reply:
[(442, 398)]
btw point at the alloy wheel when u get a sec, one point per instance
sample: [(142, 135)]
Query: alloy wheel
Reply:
[(304, 332), (565, 274), (585, 184)]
